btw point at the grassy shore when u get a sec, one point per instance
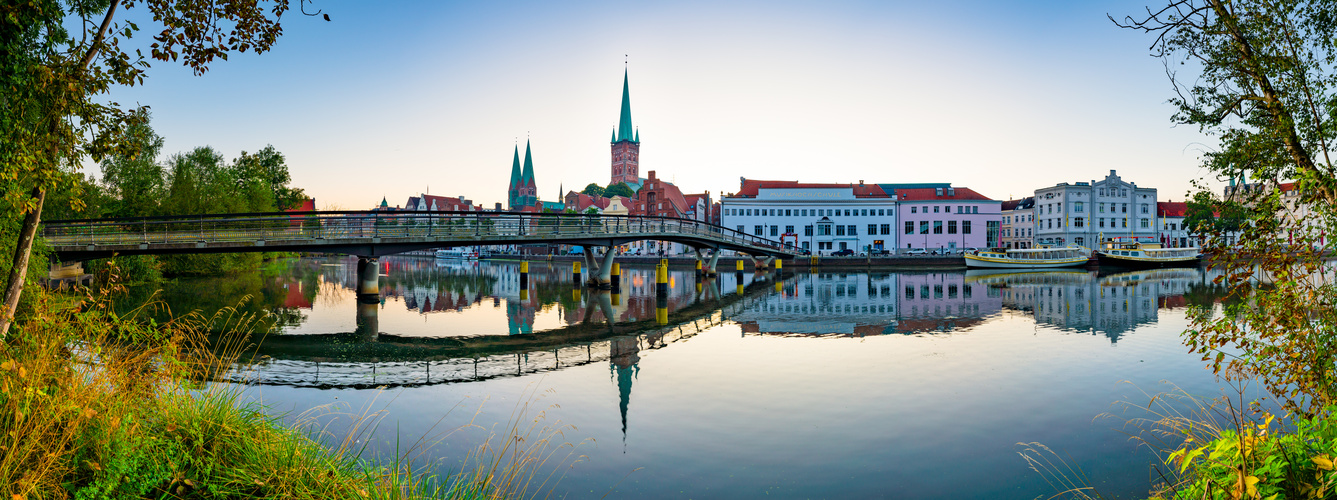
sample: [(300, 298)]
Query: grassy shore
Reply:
[(99, 404)]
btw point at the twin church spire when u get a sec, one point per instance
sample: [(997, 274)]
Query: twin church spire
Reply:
[(523, 191), (626, 148)]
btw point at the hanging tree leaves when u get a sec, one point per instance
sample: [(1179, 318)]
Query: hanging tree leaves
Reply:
[(1259, 75), (57, 58)]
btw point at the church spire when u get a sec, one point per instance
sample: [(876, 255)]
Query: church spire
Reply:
[(513, 192), (625, 132), (527, 179)]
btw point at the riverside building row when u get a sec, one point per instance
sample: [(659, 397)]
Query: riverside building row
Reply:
[(861, 218)]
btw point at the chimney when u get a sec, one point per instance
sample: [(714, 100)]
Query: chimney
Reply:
[(498, 206), (860, 182)]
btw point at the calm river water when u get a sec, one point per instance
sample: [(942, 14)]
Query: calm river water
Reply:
[(835, 384)]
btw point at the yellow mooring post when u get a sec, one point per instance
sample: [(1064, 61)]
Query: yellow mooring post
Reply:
[(575, 272), (738, 265), (779, 262), (615, 278), (698, 267), (661, 279), (524, 275)]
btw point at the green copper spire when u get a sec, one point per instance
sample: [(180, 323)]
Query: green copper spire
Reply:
[(528, 174), (614, 139), (624, 129), (638, 135), (513, 192)]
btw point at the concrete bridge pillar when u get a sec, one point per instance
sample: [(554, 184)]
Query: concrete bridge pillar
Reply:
[(714, 259), (368, 277), (762, 263), (606, 269)]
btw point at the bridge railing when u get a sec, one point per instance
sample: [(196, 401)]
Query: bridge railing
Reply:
[(444, 226)]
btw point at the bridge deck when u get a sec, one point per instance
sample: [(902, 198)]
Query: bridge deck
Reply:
[(381, 233)]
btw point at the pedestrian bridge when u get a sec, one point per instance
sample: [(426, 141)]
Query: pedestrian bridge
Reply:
[(373, 234)]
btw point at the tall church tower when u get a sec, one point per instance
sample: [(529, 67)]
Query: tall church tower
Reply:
[(626, 143)]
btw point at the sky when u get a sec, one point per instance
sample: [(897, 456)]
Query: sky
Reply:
[(393, 99)]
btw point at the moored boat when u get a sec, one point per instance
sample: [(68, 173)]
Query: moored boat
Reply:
[(1029, 258), (464, 253), (1141, 255)]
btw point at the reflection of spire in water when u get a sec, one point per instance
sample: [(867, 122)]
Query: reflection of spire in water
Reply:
[(622, 362)]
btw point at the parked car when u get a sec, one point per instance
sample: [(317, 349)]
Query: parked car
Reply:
[(880, 251), (842, 253), (916, 251)]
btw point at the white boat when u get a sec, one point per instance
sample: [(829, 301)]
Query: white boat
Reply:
[(1029, 258), (1133, 254), (463, 253)]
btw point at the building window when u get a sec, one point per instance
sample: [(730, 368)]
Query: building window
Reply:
[(789, 229), (935, 208), (923, 227), (805, 246), (1077, 206), (965, 227), (775, 231), (937, 227), (951, 227), (879, 212), (886, 229), (840, 230), (948, 209), (864, 212), (1101, 207), (1079, 241), (1144, 208), (914, 210), (853, 230), (807, 230), (847, 213), (909, 227), (1078, 222), (1125, 208), (823, 230), (1125, 222), (787, 212), (756, 230), (872, 229), (1145, 223)]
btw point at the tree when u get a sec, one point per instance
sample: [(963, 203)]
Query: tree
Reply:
[(618, 189), (593, 190), (52, 76), (134, 177), (1260, 78)]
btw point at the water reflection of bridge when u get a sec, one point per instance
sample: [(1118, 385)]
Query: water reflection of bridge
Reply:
[(358, 360)]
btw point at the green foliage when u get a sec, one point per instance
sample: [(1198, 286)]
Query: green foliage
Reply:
[(134, 180), (1254, 458), (1262, 83), (593, 189), (618, 189)]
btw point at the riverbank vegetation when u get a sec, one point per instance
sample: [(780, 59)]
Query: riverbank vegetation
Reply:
[(98, 403), (1258, 75)]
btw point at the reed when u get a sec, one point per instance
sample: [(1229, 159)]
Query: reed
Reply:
[(96, 403)]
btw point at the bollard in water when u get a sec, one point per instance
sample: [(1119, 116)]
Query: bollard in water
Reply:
[(575, 272), (661, 309), (616, 299), (698, 267), (738, 265), (661, 280), (524, 275), (779, 262), (615, 278)]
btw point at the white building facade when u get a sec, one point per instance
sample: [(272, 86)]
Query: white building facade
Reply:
[(819, 218), (1085, 213)]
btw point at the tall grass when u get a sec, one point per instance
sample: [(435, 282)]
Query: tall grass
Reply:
[(99, 404)]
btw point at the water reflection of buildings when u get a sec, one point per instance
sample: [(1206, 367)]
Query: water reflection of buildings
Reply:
[(871, 304), (1078, 300)]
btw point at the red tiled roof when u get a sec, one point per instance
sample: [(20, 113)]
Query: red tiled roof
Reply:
[(1286, 186), (751, 187), (924, 194), (1171, 208), (307, 205)]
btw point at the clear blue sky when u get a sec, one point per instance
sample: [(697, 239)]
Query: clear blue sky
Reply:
[(391, 98)]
